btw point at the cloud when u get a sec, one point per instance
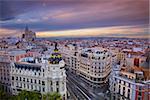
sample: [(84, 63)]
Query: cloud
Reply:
[(52, 15), (118, 31), (9, 32), (115, 31)]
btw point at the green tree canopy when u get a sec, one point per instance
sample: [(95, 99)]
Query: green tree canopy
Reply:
[(52, 96), (3, 94), (28, 95)]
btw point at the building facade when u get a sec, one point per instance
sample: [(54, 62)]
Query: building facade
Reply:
[(71, 56), (95, 65), (5, 76), (92, 64), (125, 85), (42, 74)]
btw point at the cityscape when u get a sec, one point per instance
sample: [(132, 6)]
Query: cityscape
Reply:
[(74, 50)]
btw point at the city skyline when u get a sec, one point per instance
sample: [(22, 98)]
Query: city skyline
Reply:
[(126, 18), (74, 50)]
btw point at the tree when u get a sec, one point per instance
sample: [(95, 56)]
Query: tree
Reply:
[(34, 95), (28, 95), (52, 96), (22, 95), (4, 95)]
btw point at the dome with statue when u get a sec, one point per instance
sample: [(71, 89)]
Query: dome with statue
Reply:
[(55, 57)]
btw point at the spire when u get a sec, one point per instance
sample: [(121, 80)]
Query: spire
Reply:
[(55, 49), (55, 57)]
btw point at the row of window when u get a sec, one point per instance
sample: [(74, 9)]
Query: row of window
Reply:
[(96, 70), (123, 91), (99, 58), (28, 80), (34, 87), (21, 71), (4, 70), (139, 93), (123, 83), (4, 78), (31, 87), (94, 79)]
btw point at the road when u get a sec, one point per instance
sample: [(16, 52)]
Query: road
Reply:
[(73, 89), (81, 89)]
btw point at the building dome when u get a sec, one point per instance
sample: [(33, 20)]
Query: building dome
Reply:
[(55, 57)]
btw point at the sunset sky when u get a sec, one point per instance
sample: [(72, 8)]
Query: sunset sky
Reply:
[(52, 18)]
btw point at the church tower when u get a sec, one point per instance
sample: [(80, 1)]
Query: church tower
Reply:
[(28, 34)]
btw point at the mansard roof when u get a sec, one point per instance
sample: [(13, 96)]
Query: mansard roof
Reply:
[(27, 66)]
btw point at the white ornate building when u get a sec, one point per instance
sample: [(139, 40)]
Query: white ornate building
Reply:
[(92, 64), (71, 56), (95, 65), (39, 74)]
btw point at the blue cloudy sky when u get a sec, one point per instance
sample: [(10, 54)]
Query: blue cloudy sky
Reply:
[(51, 18)]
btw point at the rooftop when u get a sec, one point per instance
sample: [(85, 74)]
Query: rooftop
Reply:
[(23, 65)]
